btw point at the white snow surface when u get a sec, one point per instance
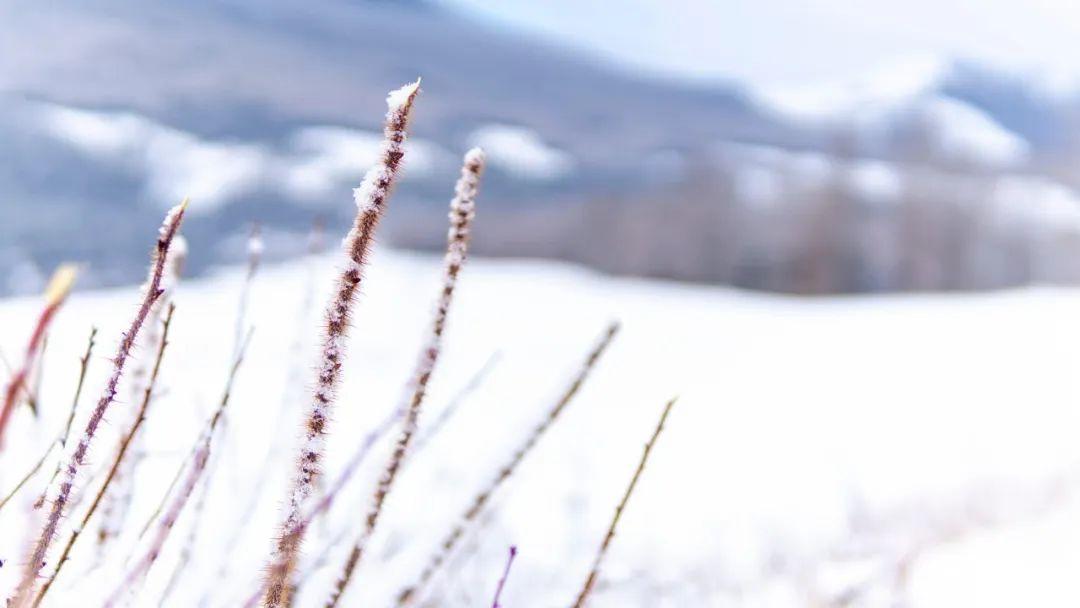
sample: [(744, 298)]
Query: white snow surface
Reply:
[(816, 445)]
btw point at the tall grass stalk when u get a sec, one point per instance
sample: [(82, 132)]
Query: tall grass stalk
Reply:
[(411, 594), (462, 212), (502, 581), (168, 520), (117, 502), (62, 437), (118, 461), (166, 234), (594, 572), (57, 291), (371, 198)]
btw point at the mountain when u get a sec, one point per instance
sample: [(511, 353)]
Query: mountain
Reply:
[(270, 111), (131, 104)]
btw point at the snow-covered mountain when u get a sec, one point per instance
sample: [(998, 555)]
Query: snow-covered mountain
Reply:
[(270, 112)]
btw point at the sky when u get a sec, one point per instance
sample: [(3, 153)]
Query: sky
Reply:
[(783, 43)]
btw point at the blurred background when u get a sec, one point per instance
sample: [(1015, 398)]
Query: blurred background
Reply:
[(778, 146)]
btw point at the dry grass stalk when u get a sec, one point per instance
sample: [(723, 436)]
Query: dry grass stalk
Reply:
[(411, 594), (57, 291), (594, 572), (255, 250), (371, 199), (117, 500), (370, 440), (36, 562), (462, 211), (294, 386), (198, 465), (502, 581), (383, 428), (62, 438), (214, 421), (140, 417), (198, 456), (448, 411), (84, 365)]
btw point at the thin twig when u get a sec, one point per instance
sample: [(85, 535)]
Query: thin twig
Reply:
[(462, 211), (117, 501), (62, 438), (370, 440), (84, 364), (594, 572), (55, 294), (37, 558), (502, 581), (436, 561), (371, 200), (140, 417), (191, 453)]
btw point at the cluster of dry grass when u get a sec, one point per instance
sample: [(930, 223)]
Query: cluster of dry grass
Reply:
[(309, 497)]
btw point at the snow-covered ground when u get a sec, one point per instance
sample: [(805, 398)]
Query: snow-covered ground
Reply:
[(861, 449)]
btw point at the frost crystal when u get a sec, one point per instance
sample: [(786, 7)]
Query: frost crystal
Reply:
[(398, 98)]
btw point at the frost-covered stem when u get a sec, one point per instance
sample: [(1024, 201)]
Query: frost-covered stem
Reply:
[(84, 365), (140, 417), (590, 581), (117, 500), (222, 406), (62, 437), (55, 294), (448, 411), (373, 437), (462, 211), (255, 249), (198, 457), (324, 504), (502, 581), (67, 480), (202, 453), (294, 385), (450, 541), (371, 199)]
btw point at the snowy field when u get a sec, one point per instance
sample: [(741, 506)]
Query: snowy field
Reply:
[(915, 450)]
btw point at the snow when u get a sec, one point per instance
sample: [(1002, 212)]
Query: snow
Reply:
[(313, 162), (521, 152), (399, 97), (175, 163), (879, 90), (967, 133), (816, 442), (324, 157)]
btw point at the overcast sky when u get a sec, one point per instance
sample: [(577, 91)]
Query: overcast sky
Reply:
[(793, 42)]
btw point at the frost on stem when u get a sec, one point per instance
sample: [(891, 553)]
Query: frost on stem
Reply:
[(55, 293), (410, 594), (462, 211), (198, 465), (118, 500), (118, 460), (594, 572), (371, 199), (68, 476)]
